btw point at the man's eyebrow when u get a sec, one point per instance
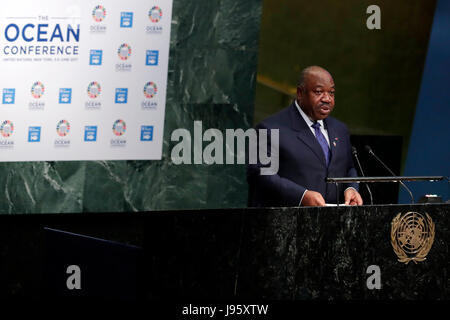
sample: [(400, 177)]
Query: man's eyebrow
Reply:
[(322, 86)]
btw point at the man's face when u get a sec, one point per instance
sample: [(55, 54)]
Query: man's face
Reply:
[(316, 98)]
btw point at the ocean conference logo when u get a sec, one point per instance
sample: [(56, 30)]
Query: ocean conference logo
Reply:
[(93, 91), (37, 92), (40, 42), (155, 15), (99, 13), (62, 130), (124, 53), (150, 91), (119, 128), (6, 131)]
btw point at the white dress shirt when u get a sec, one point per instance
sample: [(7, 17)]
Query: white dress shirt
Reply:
[(324, 131), (310, 122)]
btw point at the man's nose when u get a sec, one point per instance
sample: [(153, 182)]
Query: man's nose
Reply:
[(326, 97)]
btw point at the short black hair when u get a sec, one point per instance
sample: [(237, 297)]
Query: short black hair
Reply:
[(305, 72)]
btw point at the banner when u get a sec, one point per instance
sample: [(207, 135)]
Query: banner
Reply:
[(83, 80)]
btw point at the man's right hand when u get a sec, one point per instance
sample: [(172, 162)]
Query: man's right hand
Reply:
[(313, 199)]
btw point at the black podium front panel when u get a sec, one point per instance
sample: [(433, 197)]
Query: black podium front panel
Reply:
[(272, 253)]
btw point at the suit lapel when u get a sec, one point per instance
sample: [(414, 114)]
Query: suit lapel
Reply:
[(305, 135), (333, 140)]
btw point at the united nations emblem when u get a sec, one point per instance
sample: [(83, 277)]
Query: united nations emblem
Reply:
[(412, 236)]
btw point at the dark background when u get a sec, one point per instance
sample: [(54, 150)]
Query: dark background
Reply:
[(377, 72)]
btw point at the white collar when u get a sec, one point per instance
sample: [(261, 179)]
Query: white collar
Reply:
[(307, 119)]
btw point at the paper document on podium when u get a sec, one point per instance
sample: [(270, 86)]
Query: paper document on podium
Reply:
[(335, 205)]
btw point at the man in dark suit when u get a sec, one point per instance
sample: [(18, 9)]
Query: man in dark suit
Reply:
[(312, 146)]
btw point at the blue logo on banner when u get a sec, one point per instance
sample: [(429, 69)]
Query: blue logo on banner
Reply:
[(121, 95), (65, 95), (152, 58), (34, 134), (9, 96), (90, 133), (126, 19), (146, 133), (95, 58)]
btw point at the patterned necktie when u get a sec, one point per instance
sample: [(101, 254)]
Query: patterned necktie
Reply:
[(322, 141)]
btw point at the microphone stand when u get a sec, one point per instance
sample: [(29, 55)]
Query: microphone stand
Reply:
[(338, 180), (369, 150), (355, 153)]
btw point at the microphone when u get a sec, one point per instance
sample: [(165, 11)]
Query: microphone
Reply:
[(355, 153), (369, 150)]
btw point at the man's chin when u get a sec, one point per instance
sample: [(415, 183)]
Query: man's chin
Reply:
[(321, 116)]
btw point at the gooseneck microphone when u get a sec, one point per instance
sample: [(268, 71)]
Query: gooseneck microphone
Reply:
[(355, 153), (369, 150)]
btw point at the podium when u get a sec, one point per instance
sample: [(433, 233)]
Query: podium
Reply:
[(250, 253), (294, 253)]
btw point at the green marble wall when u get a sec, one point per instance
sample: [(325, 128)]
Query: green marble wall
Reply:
[(212, 73)]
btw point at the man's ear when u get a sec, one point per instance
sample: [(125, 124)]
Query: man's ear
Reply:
[(299, 93)]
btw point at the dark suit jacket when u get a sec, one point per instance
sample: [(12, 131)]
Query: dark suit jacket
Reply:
[(301, 162)]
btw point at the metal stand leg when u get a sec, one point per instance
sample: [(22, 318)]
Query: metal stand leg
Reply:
[(337, 193)]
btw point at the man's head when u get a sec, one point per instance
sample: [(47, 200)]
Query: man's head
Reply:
[(315, 92)]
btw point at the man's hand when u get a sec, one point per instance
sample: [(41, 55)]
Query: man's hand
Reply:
[(312, 199), (352, 197)]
